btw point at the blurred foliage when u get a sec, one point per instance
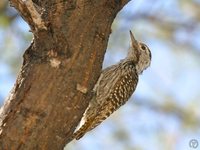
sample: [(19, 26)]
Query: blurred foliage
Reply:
[(165, 111), (14, 37)]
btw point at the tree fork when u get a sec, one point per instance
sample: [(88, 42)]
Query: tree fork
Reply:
[(59, 71)]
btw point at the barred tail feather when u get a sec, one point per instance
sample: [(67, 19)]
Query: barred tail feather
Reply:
[(83, 129), (93, 122)]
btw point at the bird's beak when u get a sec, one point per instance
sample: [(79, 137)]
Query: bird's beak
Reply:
[(134, 42), (135, 46)]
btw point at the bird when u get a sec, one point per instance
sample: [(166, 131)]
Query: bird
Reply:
[(114, 87)]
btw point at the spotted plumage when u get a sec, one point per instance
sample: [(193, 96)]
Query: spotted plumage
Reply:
[(115, 86)]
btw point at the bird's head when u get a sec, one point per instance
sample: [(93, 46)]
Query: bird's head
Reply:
[(140, 54)]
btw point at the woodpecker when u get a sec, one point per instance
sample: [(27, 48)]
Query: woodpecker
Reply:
[(115, 86)]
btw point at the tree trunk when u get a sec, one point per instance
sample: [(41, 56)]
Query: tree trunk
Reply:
[(59, 71)]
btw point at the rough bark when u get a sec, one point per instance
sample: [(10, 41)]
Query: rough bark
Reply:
[(59, 70)]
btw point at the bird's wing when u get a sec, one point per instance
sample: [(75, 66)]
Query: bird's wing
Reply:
[(122, 91), (106, 81), (113, 89)]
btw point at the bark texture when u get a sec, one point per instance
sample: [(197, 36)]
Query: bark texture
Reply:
[(59, 70)]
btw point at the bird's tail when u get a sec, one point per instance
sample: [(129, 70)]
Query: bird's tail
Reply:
[(83, 129), (94, 121)]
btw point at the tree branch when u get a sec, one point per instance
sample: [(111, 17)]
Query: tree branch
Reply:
[(59, 71), (28, 10)]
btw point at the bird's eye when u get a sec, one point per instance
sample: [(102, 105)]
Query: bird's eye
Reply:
[(143, 47)]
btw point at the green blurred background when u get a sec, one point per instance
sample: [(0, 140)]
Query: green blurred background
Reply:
[(164, 111)]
